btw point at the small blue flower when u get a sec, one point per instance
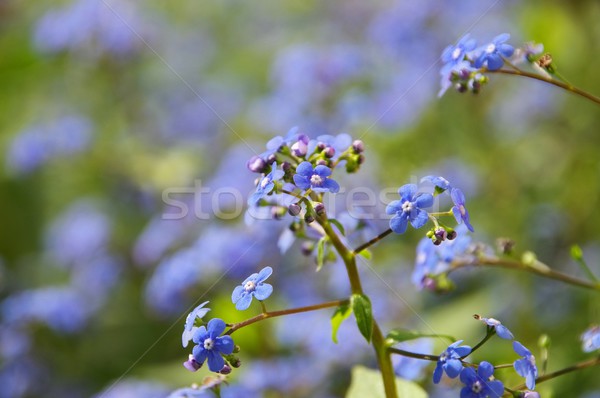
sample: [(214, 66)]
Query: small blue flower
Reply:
[(252, 286), (463, 72), (525, 366), (440, 183), (591, 339), (452, 55), (459, 210), (501, 330), (275, 143), (316, 179), (189, 329), (449, 361), (478, 384), (409, 208), (211, 345), (266, 185), (492, 54)]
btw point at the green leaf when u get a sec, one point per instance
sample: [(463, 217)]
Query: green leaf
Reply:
[(338, 224), (361, 306), (321, 253), (368, 383), (341, 313), (366, 254), (396, 336)]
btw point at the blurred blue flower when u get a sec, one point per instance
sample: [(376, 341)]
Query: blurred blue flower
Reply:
[(211, 345), (591, 339), (189, 329), (459, 210), (79, 233), (439, 182), (454, 54), (525, 366), (38, 144), (253, 286), (412, 368), (501, 330), (316, 179), (492, 54), (478, 384), (450, 362), (409, 208), (266, 185)]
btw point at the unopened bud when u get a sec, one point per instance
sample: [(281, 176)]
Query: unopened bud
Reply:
[(451, 235), (329, 152), (299, 148), (271, 159), (294, 209), (191, 364), (358, 146), (307, 248), (319, 209), (308, 218), (225, 370), (256, 164)]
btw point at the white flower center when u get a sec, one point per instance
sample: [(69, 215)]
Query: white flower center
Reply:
[(476, 387), (249, 286), (462, 210), (209, 344), (532, 360), (456, 53), (407, 207), (265, 181), (316, 180), (490, 49)]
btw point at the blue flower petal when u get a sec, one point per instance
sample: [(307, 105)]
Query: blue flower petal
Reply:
[(305, 169), (263, 291), (494, 61), (453, 367), (503, 332), (468, 376), (496, 388), (322, 171), (244, 302), (393, 207), (225, 345), (237, 294), (331, 185), (398, 224), (407, 191), (199, 353), (264, 274), (215, 327), (437, 373), (301, 181), (520, 349), (215, 361), (424, 200), (463, 351), (420, 219), (485, 370)]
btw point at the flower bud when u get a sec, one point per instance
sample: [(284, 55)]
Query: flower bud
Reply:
[(308, 218), (307, 248), (320, 209), (329, 152), (286, 166), (322, 162), (358, 146), (451, 235), (256, 164), (505, 245), (294, 209), (191, 364), (226, 370), (277, 212), (299, 148), (321, 146), (271, 159), (440, 234)]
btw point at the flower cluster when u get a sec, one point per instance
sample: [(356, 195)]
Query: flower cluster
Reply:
[(465, 63)]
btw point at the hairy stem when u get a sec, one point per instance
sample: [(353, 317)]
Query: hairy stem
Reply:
[(273, 314), (372, 241)]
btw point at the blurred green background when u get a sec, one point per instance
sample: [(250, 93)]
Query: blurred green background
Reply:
[(108, 106)]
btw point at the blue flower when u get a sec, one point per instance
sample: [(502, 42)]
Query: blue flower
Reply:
[(265, 185), (591, 339), (501, 330), (275, 143), (252, 286), (478, 384), (460, 74), (492, 54), (409, 208), (452, 55), (459, 210), (440, 183), (189, 329), (211, 345), (525, 366), (449, 361), (316, 179)]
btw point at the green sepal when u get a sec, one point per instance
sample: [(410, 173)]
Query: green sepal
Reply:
[(339, 225), (341, 313), (361, 307), (321, 253)]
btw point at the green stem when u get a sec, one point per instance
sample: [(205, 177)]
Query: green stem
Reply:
[(426, 357), (578, 366), (384, 359), (273, 314), (482, 342), (548, 80), (372, 241), (540, 269)]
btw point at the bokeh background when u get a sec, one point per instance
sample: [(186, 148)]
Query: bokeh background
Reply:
[(108, 106)]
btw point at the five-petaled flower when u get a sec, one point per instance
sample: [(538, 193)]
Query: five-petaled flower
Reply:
[(492, 54), (265, 185), (450, 361), (452, 55), (316, 179), (459, 210), (525, 366), (409, 208), (478, 384), (189, 329), (501, 330), (591, 339), (211, 345), (253, 286)]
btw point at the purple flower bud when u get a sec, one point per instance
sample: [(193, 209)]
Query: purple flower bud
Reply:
[(309, 218), (358, 146), (440, 234), (321, 145), (286, 166), (294, 209), (304, 138), (329, 152), (322, 162), (307, 248), (531, 394), (225, 370), (271, 159), (452, 235), (191, 364), (320, 209), (299, 148), (256, 164)]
